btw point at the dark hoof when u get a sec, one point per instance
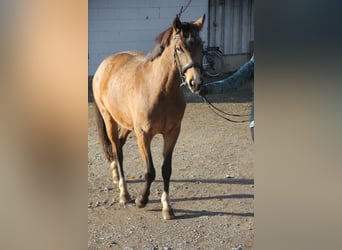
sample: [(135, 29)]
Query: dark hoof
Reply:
[(140, 202)]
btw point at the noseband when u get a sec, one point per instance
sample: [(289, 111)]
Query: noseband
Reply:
[(190, 65)]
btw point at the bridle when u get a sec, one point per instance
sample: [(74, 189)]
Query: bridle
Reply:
[(215, 109), (183, 69)]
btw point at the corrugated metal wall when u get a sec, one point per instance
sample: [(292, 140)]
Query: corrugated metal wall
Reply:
[(231, 25)]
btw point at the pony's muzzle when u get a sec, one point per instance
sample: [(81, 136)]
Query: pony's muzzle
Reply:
[(195, 85)]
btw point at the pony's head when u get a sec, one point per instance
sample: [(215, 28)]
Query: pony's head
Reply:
[(188, 51), (186, 43)]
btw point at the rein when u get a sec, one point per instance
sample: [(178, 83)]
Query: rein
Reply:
[(223, 114)]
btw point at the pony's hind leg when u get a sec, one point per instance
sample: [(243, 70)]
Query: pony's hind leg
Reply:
[(144, 143), (113, 166), (117, 164), (123, 134), (170, 140), (115, 173)]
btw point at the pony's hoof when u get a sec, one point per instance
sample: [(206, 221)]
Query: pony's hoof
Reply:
[(140, 202), (168, 214), (125, 199)]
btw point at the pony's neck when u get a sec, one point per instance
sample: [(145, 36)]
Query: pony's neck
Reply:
[(169, 78)]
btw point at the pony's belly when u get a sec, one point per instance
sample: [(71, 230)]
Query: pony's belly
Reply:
[(124, 123), (158, 125), (121, 116)]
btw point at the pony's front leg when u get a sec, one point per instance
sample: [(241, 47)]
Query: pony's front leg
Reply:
[(170, 140), (165, 200), (144, 143)]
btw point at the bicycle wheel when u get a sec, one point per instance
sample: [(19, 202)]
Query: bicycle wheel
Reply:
[(212, 63)]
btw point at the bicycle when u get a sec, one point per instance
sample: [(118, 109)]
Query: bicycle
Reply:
[(212, 61)]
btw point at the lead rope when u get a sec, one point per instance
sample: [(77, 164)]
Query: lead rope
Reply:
[(221, 113)]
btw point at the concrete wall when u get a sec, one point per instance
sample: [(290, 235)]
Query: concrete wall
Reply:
[(116, 25)]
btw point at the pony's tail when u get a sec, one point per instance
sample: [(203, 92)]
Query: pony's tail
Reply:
[(101, 127)]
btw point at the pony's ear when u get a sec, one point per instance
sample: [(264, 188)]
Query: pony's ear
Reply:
[(177, 24), (199, 23)]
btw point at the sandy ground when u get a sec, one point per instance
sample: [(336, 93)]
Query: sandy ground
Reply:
[(211, 189)]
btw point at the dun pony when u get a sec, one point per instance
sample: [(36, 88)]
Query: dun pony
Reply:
[(142, 93)]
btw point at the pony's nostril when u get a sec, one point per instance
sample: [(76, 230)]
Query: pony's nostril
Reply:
[(191, 83)]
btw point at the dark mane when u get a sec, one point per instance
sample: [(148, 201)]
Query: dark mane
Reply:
[(162, 41)]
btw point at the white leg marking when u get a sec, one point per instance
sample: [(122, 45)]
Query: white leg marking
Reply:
[(122, 186), (124, 195), (115, 174), (165, 200)]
